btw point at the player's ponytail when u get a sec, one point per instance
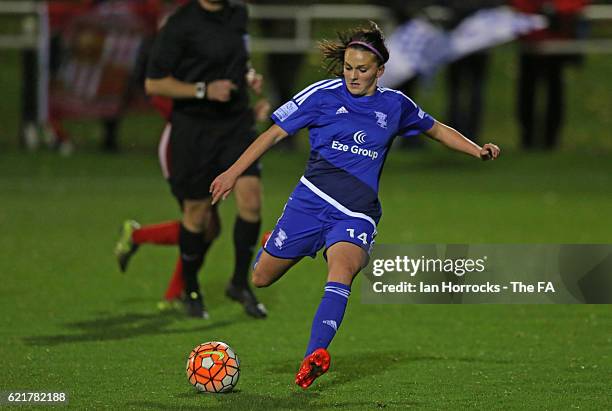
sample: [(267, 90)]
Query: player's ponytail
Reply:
[(369, 39)]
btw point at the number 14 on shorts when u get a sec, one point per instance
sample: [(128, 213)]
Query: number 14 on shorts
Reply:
[(363, 236)]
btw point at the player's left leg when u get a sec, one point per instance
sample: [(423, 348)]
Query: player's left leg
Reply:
[(246, 235), (348, 242), (344, 261)]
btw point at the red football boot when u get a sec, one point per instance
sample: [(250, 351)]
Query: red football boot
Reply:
[(264, 237), (313, 366)]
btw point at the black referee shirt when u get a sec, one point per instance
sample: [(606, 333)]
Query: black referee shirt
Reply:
[(199, 45)]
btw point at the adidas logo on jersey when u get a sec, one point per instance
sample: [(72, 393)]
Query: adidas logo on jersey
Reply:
[(342, 110), (331, 323)]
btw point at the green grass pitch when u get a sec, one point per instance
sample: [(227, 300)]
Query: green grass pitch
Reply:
[(71, 322)]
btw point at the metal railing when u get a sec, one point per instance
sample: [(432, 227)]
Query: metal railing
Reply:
[(29, 13), (303, 17)]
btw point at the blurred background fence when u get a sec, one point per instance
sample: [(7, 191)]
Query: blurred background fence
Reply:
[(64, 67)]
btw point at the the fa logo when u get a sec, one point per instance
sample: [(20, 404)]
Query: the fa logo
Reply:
[(381, 119), (546, 287)]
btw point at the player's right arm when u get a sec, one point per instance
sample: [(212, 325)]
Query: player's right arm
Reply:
[(224, 183)]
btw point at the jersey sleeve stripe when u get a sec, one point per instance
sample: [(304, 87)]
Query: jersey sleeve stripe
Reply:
[(336, 204), (334, 86), (383, 89), (311, 92), (304, 97), (318, 83)]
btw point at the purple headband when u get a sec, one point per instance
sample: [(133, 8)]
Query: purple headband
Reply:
[(368, 46)]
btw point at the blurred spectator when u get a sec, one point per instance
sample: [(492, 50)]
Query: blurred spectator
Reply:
[(466, 77), (403, 11), (30, 99), (34, 91), (541, 75), (62, 14)]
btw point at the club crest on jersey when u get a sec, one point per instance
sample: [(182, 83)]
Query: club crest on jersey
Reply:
[(280, 238), (359, 137), (381, 119)]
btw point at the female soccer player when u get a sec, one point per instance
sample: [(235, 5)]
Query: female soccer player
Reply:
[(335, 205)]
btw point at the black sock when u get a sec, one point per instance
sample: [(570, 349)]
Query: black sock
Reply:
[(193, 247), (246, 236)]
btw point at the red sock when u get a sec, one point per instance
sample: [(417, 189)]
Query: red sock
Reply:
[(177, 284), (163, 233)]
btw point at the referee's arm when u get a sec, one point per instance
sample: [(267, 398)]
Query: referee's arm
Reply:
[(218, 90), (170, 87), (166, 54)]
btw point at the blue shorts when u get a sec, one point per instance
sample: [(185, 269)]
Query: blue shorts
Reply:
[(307, 225)]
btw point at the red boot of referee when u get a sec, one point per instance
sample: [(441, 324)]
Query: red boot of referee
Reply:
[(313, 366)]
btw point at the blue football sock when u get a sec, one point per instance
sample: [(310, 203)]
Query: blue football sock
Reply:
[(329, 316)]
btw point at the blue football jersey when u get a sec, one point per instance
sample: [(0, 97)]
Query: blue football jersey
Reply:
[(349, 137)]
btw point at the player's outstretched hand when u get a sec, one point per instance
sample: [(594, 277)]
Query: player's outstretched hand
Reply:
[(489, 152), (222, 186), (220, 90)]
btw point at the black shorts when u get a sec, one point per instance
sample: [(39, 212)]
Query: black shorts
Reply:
[(201, 149)]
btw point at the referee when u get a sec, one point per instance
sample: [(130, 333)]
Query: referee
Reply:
[(200, 60)]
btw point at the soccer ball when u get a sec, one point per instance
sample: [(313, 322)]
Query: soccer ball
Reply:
[(213, 367)]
